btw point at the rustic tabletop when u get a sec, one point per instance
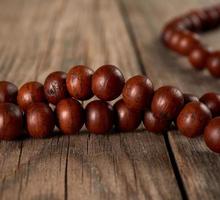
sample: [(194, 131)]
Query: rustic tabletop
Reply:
[(40, 36)]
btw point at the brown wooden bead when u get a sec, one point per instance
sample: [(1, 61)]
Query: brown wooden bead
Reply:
[(212, 101), (167, 35), (198, 57), (213, 64), (126, 118), (212, 135), (189, 98), (167, 102), (187, 42), (138, 92), (174, 40), (29, 93), (70, 116), (193, 118), (8, 92), (107, 82), (40, 120), (154, 124), (79, 82), (11, 122), (55, 87), (99, 117)]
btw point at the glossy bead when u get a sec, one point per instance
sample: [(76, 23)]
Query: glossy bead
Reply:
[(212, 101), (167, 35), (126, 119), (213, 64), (154, 124), (138, 92), (212, 135), (40, 120), (70, 116), (55, 87), (174, 40), (8, 92), (193, 118), (189, 98), (167, 102), (198, 57), (187, 42), (99, 117), (29, 93), (107, 82), (79, 82), (11, 122)]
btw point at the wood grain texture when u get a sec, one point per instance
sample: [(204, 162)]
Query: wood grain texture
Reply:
[(38, 37), (198, 166)]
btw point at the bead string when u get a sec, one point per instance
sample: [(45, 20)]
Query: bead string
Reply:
[(28, 110), (182, 36)]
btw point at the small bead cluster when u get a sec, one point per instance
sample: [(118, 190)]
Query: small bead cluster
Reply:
[(29, 110), (182, 36)]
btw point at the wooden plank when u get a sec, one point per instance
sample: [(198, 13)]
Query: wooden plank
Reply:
[(53, 35), (197, 166)]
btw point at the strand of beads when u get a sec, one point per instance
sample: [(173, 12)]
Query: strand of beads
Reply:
[(181, 36), (28, 110)]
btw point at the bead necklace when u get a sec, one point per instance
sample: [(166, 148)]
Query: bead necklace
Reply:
[(28, 111)]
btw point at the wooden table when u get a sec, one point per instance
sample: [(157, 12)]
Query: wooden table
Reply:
[(40, 36)]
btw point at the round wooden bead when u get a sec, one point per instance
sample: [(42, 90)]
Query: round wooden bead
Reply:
[(212, 101), (212, 135), (107, 82), (138, 92), (70, 116), (29, 93), (195, 19), (167, 102), (198, 57), (154, 124), (193, 118), (8, 92), (189, 98), (126, 119), (167, 35), (174, 40), (11, 122), (187, 42), (55, 87), (79, 82), (99, 117), (40, 120), (213, 64)]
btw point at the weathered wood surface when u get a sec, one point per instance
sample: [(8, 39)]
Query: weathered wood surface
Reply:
[(40, 36)]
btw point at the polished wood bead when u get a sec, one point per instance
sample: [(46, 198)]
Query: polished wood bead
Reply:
[(99, 117), (167, 35), (189, 98), (40, 120), (29, 93), (107, 82), (79, 82), (138, 92), (212, 101), (187, 42), (167, 102), (55, 87), (11, 121), (213, 64), (212, 135), (198, 57), (8, 92), (193, 118), (154, 124), (174, 40), (70, 116), (126, 119)]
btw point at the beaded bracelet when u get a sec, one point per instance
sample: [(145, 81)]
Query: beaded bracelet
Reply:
[(28, 110), (181, 36)]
